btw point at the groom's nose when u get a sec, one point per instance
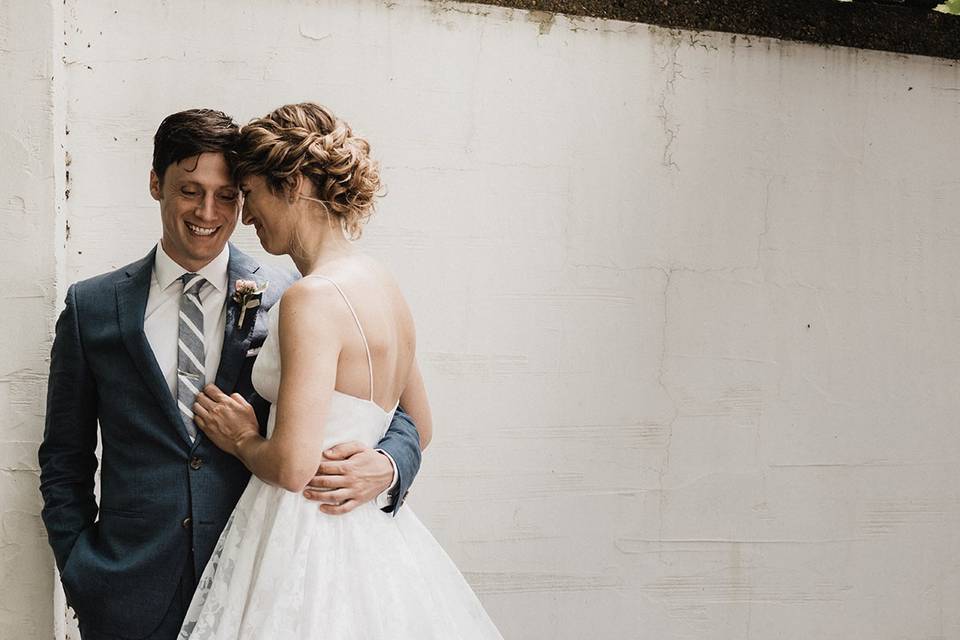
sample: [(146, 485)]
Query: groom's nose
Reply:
[(208, 207)]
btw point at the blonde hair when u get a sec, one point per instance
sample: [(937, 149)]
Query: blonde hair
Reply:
[(308, 139)]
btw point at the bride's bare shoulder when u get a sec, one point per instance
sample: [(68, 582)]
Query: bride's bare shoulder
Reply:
[(312, 292), (381, 287), (364, 271)]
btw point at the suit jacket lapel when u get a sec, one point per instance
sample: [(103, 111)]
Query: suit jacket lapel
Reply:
[(236, 340), (132, 295)]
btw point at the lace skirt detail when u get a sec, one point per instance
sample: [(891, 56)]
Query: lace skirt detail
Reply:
[(284, 570)]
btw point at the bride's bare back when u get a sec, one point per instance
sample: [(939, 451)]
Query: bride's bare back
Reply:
[(324, 303), (387, 324)]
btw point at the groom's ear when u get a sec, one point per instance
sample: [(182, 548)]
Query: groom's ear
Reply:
[(155, 186)]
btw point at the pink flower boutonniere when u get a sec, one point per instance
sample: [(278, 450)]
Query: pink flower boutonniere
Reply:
[(247, 294)]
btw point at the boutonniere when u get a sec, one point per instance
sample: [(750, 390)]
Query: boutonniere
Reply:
[(247, 294)]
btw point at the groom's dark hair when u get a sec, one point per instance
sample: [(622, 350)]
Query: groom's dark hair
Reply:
[(189, 133)]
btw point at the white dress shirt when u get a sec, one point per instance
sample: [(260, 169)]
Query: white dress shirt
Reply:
[(161, 324), (161, 320)]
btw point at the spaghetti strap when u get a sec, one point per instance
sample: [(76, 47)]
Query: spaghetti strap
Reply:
[(359, 326)]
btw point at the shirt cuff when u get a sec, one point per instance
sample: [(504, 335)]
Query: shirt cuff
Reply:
[(385, 499)]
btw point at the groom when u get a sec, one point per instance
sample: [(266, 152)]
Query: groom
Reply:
[(132, 347)]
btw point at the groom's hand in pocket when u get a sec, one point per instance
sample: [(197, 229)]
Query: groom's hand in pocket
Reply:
[(350, 475)]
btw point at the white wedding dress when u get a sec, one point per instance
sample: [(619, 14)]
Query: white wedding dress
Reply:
[(283, 570)]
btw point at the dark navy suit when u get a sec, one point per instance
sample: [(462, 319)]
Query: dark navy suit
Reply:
[(163, 499)]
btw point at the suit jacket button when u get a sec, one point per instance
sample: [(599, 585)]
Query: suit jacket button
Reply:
[(196, 463), (186, 523)]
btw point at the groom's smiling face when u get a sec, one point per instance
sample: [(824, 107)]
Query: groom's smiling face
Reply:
[(199, 206)]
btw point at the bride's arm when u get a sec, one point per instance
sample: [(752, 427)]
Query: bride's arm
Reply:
[(415, 404), (310, 344)]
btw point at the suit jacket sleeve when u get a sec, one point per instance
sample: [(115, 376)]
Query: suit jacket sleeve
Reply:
[(262, 410), (67, 454), (402, 442)]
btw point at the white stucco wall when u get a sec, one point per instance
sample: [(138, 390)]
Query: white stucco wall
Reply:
[(688, 304), (31, 235)]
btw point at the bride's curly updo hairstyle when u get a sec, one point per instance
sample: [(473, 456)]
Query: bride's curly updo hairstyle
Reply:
[(309, 139)]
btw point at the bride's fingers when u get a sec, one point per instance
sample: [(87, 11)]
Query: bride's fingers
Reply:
[(205, 401), (214, 392), (200, 412), (240, 400)]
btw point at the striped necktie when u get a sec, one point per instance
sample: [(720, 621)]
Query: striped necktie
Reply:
[(190, 352)]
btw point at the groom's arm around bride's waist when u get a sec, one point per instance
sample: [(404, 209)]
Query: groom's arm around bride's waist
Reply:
[(403, 444)]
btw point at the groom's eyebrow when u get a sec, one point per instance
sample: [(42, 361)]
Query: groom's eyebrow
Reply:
[(183, 182)]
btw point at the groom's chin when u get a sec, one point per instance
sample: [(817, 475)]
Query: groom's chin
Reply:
[(209, 248)]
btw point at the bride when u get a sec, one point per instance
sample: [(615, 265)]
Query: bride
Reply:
[(338, 360)]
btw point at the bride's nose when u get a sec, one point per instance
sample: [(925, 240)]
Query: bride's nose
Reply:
[(245, 216)]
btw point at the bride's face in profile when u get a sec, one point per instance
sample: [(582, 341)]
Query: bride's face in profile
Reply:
[(268, 212)]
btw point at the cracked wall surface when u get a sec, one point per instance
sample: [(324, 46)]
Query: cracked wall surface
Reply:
[(687, 302), (29, 241)]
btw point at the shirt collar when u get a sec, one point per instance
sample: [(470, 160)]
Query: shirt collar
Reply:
[(166, 271)]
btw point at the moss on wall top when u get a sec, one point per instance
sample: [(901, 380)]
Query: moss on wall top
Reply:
[(852, 24)]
